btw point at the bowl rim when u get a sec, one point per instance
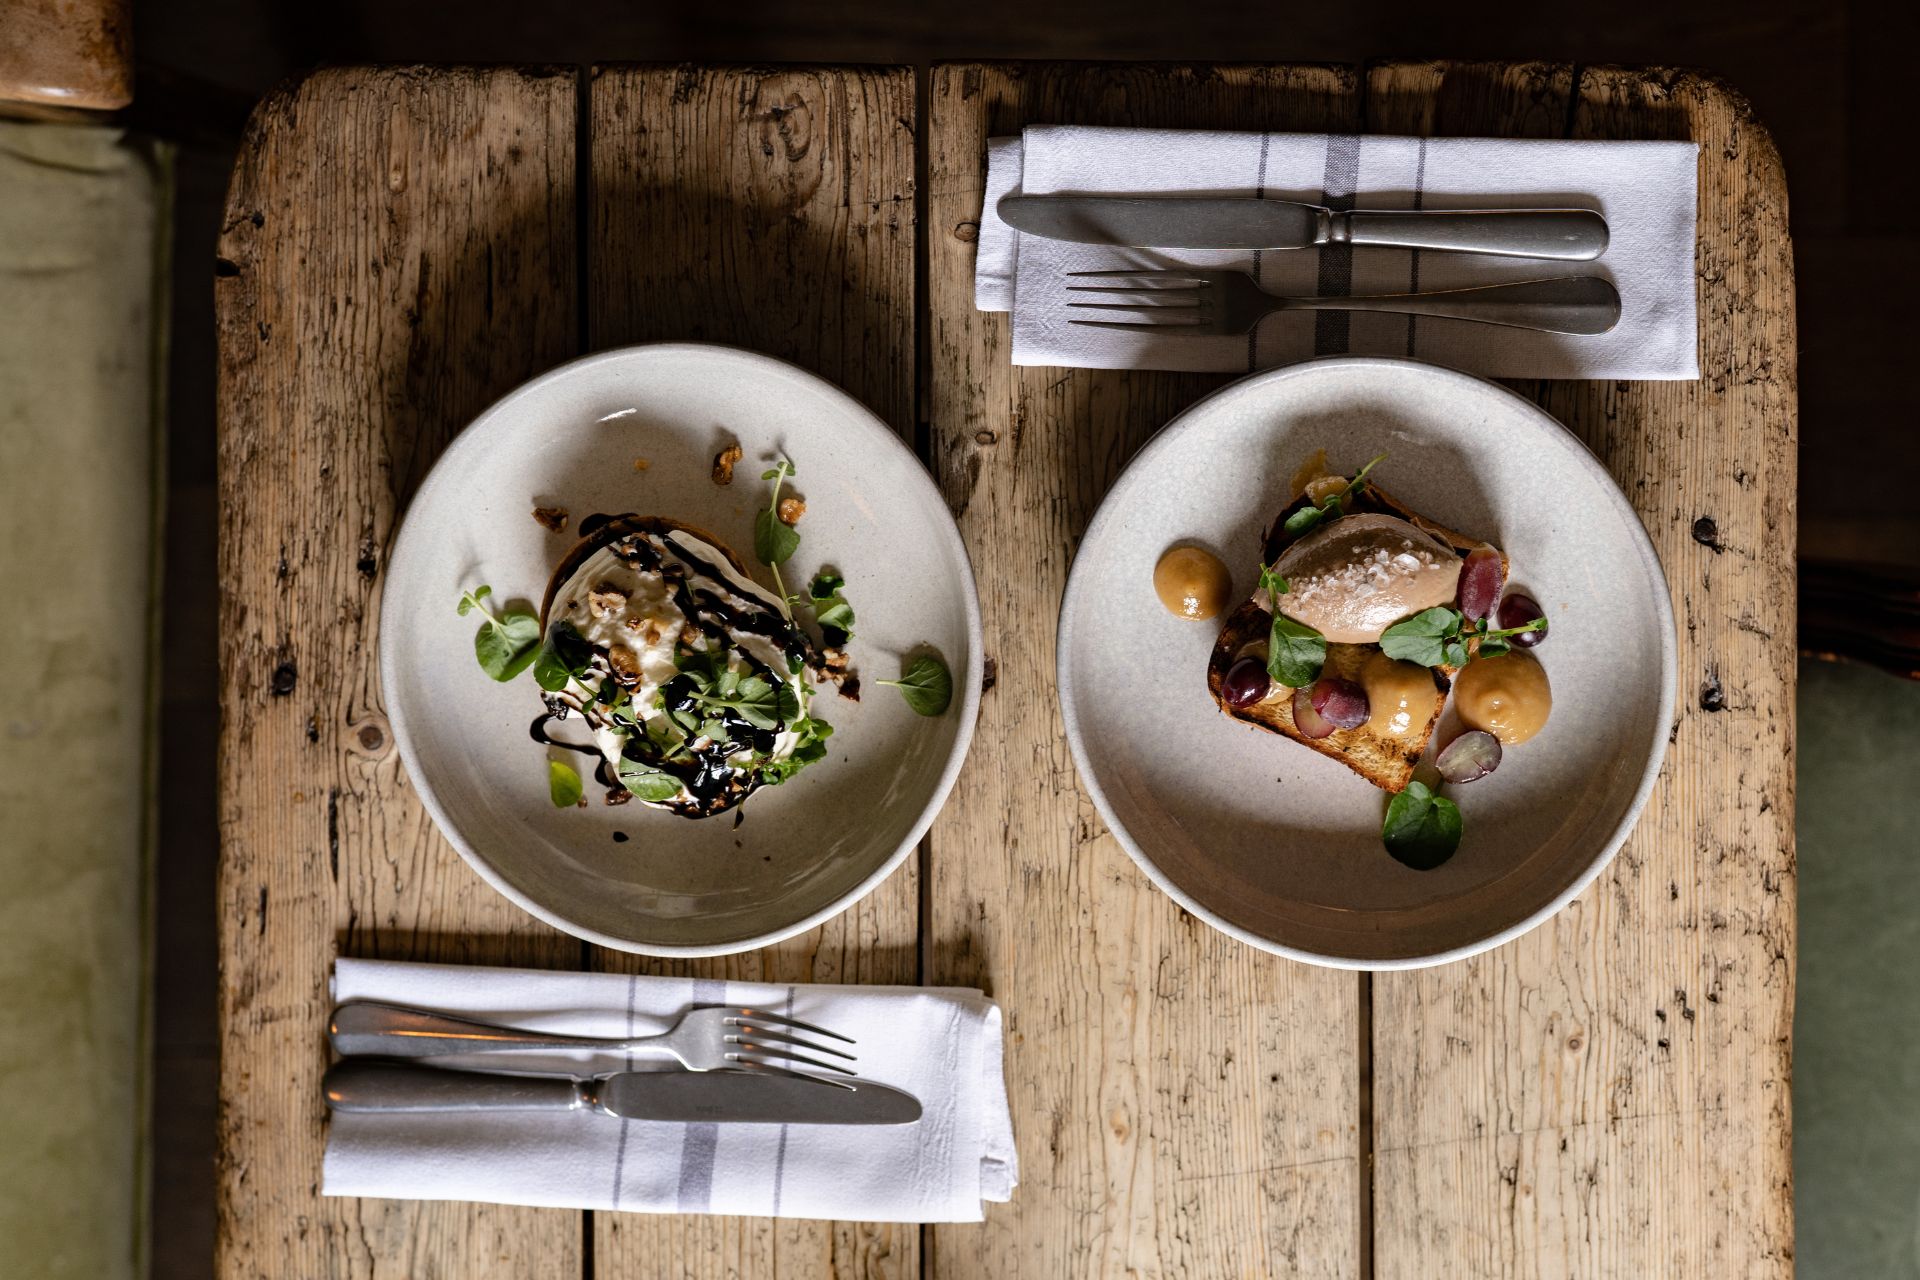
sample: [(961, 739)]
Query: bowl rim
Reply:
[(1664, 622), (860, 418)]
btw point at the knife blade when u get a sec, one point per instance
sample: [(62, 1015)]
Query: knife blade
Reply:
[(745, 1097), (1246, 222)]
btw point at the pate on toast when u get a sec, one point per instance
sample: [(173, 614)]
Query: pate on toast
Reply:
[(1385, 748)]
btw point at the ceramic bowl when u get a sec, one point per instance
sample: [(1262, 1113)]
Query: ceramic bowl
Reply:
[(1277, 845), (637, 430)]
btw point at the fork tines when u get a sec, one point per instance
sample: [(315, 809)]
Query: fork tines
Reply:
[(760, 1045), (1158, 290)]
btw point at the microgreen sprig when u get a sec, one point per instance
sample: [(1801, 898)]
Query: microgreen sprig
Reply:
[(1422, 827), (1437, 637), (1331, 507), (506, 642), (1296, 653), (926, 684), (774, 540)]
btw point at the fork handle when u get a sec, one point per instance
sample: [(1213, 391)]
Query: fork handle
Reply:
[(1568, 235), (1571, 304), (370, 1028)]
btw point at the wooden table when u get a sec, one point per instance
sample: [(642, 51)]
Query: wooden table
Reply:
[(1607, 1096)]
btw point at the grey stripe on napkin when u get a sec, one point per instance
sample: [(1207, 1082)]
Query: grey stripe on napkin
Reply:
[(1337, 185), (703, 1138)]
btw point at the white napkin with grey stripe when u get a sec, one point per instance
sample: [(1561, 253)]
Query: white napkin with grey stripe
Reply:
[(940, 1044), (1646, 191)]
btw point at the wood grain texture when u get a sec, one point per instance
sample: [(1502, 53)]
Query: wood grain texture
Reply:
[(1608, 1096), (770, 209), (398, 251), (1184, 1104)]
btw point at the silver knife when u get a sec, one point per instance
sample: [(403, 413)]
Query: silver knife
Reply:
[(749, 1097), (1244, 222)]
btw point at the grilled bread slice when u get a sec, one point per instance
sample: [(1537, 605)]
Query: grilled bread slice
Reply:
[(1385, 759)]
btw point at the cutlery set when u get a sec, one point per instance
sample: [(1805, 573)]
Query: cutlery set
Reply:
[(1228, 302), (732, 1065)]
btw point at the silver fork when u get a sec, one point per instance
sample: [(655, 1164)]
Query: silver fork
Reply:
[(1224, 302), (703, 1039)]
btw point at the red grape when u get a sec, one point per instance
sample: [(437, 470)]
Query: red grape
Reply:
[(1309, 722), (1517, 611), (1246, 683), (1474, 754), (1481, 577), (1342, 702)]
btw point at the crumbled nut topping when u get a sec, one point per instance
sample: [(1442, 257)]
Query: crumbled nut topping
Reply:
[(604, 598), (625, 664), (553, 519), (791, 509), (723, 463), (641, 464), (618, 795)]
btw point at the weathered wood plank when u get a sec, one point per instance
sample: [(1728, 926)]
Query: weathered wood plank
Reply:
[(1184, 1104), (771, 209), (1609, 1095), (398, 251)]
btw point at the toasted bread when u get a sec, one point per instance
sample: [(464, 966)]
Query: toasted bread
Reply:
[(1386, 760)]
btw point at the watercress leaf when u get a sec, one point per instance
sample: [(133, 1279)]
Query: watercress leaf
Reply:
[(1423, 637), (565, 656), (774, 540), (752, 689), (1304, 519), (1274, 585), (1494, 646), (926, 684), (465, 606), (1456, 654), (1295, 652), (505, 646), (563, 784), (1422, 828), (656, 787), (729, 683), (787, 703), (830, 607)]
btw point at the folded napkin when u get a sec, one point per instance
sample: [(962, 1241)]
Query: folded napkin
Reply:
[(1644, 189), (941, 1045)]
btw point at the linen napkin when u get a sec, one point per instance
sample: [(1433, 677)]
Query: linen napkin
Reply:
[(1645, 190), (941, 1045)]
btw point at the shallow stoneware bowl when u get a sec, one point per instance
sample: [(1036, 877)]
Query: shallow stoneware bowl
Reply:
[(1277, 845), (637, 430)]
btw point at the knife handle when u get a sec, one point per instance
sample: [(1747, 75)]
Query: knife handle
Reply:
[(380, 1087), (1567, 235)]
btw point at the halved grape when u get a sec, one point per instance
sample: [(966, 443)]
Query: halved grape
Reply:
[(1246, 683), (1517, 611), (1309, 722), (1341, 701), (1481, 577), (1474, 754)]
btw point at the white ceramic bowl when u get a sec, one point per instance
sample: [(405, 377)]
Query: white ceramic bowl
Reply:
[(806, 849), (1277, 845)]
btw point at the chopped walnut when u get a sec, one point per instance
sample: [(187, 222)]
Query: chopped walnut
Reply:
[(850, 686), (625, 664), (641, 464), (604, 598), (618, 795), (553, 519), (723, 463), (791, 509)]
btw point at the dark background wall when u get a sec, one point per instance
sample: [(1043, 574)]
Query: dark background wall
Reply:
[(1829, 78)]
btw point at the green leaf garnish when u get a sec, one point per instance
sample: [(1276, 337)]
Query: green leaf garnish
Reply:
[(1295, 651), (647, 781), (567, 655), (563, 784), (1430, 638), (506, 642), (774, 540), (1305, 518), (830, 608), (1422, 827), (1360, 478), (927, 685)]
